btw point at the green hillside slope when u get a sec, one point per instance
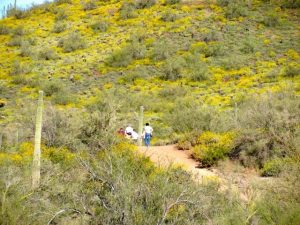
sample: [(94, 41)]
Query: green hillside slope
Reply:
[(218, 77)]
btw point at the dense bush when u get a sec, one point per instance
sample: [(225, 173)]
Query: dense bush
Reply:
[(291, 70), (26, 49), (100, 26), (59, 2), (18, 31), (60, 15), (72, 42), (270, 129), (20, 68), (52, 86), (172, 68), (141, 4), (15, 41), (47, 54), (292, 4), (17, 13), (271, 19), (212, 147), (123, 57), (172, 2), (96, 193), (234, 8), (127, 10), (59, 27), (163, 49), (90, 5), (273, 167), (195, 69), (100, 125), (168, 16), (4, 29), (188, 117)]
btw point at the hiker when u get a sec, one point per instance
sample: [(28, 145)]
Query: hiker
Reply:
[(128, 131), (121, 132), (134, 135), (147, 134)]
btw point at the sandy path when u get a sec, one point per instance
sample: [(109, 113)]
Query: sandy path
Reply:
[(167, 155)]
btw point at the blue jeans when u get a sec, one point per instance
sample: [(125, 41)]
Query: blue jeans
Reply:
[(147, 139)]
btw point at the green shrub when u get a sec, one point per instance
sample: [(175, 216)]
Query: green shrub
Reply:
[(199, 73), (15, 41), (18, 31), (249, 46), (187, 117), (273, 167), (270, 129), (172, 68), (60, 15), (51, 87), (142, 4), (184, 145), (120, 58), (162, 49), (127, 10), (271, 19), (212, 35), (47, 54), (100, 125), (90, 5), (4, 29), (63, 97), (196, 70), (59, 27), (26, 49), (212, 147), (17, 13), (168, 16), (291, 4), (236, 9), (100, 26), (172, 2), (292, 70), (19, 68), (59, 2), (223, 2), (123, 57), (172, 92), (72, 42)]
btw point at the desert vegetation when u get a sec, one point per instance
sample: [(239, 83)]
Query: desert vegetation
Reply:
[(217, 78)]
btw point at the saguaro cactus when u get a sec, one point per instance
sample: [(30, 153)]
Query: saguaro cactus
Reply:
[(141, 118), (36, 167)]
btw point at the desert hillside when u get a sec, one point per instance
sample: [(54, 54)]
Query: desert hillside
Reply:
[(219, 79)]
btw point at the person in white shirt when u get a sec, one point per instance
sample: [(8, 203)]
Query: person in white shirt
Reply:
[(134, 135), (128, 131), (147, 134)]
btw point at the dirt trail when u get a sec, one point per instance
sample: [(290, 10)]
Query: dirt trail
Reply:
[(167, 155), (239, 181)]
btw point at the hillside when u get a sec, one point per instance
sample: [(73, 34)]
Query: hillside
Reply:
[(219, 78)]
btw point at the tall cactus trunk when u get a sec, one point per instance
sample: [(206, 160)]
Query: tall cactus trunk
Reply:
[(1, 135), (36, 167), (15, 6), (141, 118)]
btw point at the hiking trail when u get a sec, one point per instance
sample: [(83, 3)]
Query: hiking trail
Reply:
[(167, 155), (240, 180)]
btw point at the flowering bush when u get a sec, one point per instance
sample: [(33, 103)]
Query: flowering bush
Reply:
[(212, 147)]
